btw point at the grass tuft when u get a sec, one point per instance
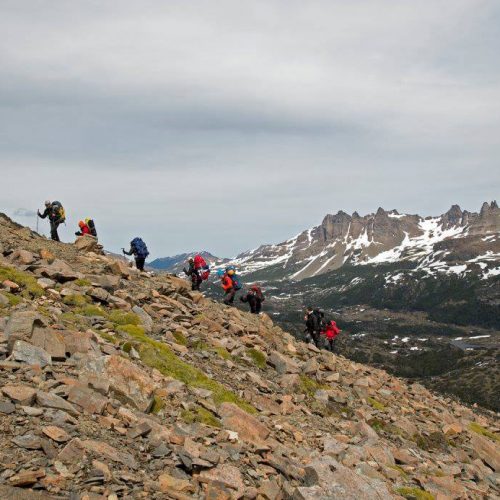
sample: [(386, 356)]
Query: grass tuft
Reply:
[(76, 300), (30, 289), (479, 429), (124, 318), (414, 493), (202, 416), (258, 357), (180, 339), (376, 404)]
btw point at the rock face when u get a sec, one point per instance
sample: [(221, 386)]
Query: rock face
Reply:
[(179, 397)]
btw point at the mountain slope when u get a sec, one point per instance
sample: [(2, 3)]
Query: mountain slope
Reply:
[(120, 384), (432, 244)]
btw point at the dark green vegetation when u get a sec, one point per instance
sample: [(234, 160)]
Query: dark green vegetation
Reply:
[(437, 308)]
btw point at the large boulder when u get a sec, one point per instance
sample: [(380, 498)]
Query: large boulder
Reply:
[(87, 243), (59, 271), (247, 426), (127, 381), (30, 354)]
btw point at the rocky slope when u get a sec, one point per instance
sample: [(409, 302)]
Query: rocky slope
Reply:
[(116, 384), (456, 242)]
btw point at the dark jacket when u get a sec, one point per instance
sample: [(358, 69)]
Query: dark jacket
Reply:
[(52, 212)]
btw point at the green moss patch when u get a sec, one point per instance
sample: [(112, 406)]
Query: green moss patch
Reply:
[(399, 469), (82, 282), (414, 493), (180, 339), (158, 355), (30, 289), (13, 299), (202, 416), (76, 300), (479, 429), (309, 386), (91, 310), (376, 404), (258, 357), (124, 318)]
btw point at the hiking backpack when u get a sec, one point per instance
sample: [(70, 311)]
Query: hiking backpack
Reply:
[(139, 247), (58, 211), (201, 267), (91, 225), (256, 290), (236, 282)]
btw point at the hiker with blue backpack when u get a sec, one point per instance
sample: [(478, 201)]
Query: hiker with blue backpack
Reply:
[(231, 283), (140, 252)]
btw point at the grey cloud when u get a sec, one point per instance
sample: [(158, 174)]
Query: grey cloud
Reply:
[(24, 212), (256, 118)]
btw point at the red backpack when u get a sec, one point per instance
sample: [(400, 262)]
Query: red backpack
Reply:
[(258, 292), (202, 268), (199, 262)]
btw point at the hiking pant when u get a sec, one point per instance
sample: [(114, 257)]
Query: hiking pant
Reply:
[(255, 304), (196, 283), (331, 345), (229, 297), (316, 337), (54, 224), (139, 263)]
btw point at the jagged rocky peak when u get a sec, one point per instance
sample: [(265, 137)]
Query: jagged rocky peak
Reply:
[(334, 226), (488, 208), (453, 217)]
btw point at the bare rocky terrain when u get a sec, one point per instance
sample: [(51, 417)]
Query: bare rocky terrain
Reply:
[(119, 384)]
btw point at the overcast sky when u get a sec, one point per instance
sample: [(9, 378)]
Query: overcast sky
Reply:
[(221, 125)]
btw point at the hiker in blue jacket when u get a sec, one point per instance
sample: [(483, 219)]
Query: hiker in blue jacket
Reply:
[(140, 252)]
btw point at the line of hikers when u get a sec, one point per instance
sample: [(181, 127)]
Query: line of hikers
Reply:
[(317, 326), (198, 271)]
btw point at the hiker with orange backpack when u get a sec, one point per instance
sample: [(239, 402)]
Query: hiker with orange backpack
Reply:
[(254, 298), (230, 284)]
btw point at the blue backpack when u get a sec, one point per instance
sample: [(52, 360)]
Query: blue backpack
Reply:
[(139, 247), (236, 282)]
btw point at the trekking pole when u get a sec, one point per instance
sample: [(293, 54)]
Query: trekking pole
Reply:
[(37, 223)]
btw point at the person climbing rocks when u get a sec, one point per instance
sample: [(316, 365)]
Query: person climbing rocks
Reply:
[(84, 229), (314, 319), (254, 298), (194, 274), (230, 284), (330, 331), (56, 214), (140, 252)]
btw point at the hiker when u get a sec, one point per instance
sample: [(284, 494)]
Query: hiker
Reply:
[(198, 270), (254, 297), (195, 276), (314, 319), (230, 284), (56, 214), (139, 250), (84, 229), (330, 331)]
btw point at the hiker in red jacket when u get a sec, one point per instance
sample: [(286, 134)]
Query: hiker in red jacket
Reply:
[(331, 331), (84, 229)]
